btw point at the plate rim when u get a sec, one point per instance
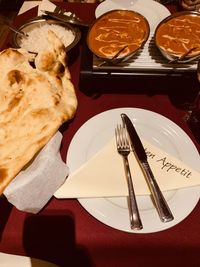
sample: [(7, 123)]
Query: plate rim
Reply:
[(83, 202)]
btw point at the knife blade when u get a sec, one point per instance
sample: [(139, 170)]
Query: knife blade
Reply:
[(159, 201)]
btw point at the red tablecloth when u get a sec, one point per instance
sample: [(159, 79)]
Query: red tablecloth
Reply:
[(64, 233)]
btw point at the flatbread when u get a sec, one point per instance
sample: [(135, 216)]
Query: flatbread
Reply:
[(34, 103)]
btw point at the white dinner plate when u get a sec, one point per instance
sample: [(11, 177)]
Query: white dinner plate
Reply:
[(157, 130), (153, 11)]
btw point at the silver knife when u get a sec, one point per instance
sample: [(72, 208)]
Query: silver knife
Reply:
[(158, 198)]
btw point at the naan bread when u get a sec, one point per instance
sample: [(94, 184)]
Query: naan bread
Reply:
[(34, 103)]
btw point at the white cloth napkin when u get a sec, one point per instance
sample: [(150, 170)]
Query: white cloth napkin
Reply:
[(48, 6), (10, 260), (42, 5), (45, 5), (34, 186), (103, 175), (27, 5)]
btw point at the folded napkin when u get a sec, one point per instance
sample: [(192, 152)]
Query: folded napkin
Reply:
[(42, 5), (10, 260), (45, 5), (35, 185), (103, 175), (27, 5)]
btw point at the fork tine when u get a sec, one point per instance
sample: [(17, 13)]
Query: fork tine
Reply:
[(125, 137), (118, 133), (117, 136), (121, 136)]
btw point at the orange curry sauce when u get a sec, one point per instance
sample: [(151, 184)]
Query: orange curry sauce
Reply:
[(115, 30), (179, 34)]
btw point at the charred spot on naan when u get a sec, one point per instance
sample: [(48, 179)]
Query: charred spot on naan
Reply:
[(13, 56), (40, 112), (56, 99), (3, 173), (15, 77), (14, 102), (3, 176), (49, 62), (46, 61), (59, 68)]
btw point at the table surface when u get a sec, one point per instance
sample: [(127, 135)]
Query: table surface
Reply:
[(63, 232)]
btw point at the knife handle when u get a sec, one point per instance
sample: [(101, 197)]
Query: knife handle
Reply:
[(158, 198)]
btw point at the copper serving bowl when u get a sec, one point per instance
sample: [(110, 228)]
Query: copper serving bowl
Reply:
[(118, 30), (36, 24), (198, 71), (177, 37)]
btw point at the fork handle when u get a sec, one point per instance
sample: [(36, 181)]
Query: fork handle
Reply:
[(135, 219)]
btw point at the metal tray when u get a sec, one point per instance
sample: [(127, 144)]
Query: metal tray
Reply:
[(149, 74)]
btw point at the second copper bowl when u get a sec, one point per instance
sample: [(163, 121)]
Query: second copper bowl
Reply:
[(118, 30), (179, 34)]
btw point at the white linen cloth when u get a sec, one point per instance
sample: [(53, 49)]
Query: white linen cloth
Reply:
[(45, 5), (42, 5), (34, 186), (10, 260), (28, 5)]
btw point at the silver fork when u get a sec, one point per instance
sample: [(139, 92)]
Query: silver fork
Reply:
[(123, 149)]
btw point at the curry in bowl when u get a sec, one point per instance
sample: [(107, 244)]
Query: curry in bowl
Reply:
[(178, 34), (115, 30)]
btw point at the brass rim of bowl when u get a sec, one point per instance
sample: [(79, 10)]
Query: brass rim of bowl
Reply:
[(132, 52), (198, 70), (43, 19), (170, 17)]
